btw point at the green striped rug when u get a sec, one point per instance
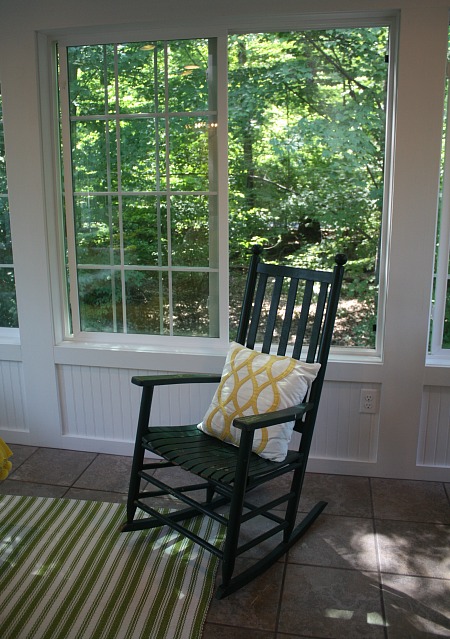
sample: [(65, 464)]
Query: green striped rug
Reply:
[(66, 572)]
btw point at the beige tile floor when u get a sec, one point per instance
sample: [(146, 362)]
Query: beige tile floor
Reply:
[(375, 564)]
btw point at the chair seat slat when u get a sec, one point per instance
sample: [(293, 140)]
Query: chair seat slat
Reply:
[(190, 448)]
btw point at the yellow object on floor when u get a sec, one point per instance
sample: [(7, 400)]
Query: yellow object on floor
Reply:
[(5, 464)]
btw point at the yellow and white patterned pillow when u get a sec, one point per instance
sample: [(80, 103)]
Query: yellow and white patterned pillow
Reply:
[(254, 383)]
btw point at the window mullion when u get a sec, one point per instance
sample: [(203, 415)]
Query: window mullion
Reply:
[(120, 201), (109, 187), (213, 301), (158, 188), (167, 159)]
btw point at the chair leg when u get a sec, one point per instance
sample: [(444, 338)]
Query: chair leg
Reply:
[(292, 507), (255, 570), (139, 452), (229, 551), (236, 507), (135, 482)]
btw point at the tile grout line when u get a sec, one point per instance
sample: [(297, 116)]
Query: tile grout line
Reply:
[(378, 557), (14, 468), (447, 492), (280, 599), (85, 469)]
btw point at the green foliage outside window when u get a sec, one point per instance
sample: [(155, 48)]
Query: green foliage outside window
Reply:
[(8, 304), (306, 169), (306, 156)]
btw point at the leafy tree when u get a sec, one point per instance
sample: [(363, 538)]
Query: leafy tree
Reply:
[(306, 153)]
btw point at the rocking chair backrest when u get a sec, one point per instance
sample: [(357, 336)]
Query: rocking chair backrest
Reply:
[(294, 308)]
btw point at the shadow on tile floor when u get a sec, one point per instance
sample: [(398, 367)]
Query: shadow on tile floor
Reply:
[(376, 564)]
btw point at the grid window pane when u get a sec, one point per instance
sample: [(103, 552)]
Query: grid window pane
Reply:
[(142, 154), (91, 80), (8, 304), (187, 79), (100, 296), (140, 77), (97, 229), (446, 335), (141, 191), (3, 185), (94, 156), (190, 140), (6, 256), (148, 302), (190, 243), (191, 301), (145, 230)]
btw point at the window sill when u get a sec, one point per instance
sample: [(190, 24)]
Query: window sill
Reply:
[(208, 358), (10, 351)]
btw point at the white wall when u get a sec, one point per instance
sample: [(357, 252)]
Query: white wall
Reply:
[(52, 394)]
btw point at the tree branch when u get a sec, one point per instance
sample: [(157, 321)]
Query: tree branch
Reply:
[(337, 65)]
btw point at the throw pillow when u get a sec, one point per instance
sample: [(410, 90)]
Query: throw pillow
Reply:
[(253, 383)]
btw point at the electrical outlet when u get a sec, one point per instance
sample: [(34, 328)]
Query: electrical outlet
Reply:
[(368, 402)]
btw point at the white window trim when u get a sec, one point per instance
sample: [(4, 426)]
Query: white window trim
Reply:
[(439, 355), (162, 342), (9, 335), (200, 346)]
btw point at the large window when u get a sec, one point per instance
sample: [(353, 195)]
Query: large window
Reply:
[(8, 306), (307, 121), (307, 136), (139, 127)]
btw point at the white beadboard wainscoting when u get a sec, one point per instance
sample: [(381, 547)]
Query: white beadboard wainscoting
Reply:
[(434, 436), (99, 406), (101, 403), (342, 432), (12, 401)]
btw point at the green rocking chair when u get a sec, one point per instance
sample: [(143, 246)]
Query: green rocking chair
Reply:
[(242, 443)]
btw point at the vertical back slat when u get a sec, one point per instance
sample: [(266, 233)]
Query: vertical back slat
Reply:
[(248, 295), (273, 314), (317, 325), (257, 307), (264, 302), (303, 320), (288, 314)]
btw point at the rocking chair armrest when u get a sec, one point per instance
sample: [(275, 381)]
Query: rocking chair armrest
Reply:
[(175, 378), (254, 422)]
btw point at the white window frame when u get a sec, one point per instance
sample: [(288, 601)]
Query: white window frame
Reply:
[(163, 341), (391, 21), (442, 276), (212, 346), (8, 335)]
